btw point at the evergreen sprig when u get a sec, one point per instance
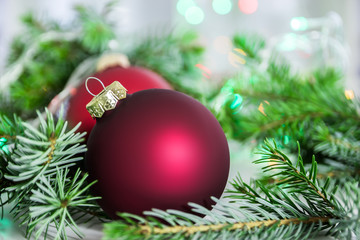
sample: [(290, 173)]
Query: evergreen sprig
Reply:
[(339, 145), (300, 180), (250, 44), (297, 207), (9, 130), (39, 178), (56, 202), (97, 30), (39, 152)]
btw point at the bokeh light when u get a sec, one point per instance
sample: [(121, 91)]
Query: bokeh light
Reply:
[(349, 94), (286, 139), (222, 7), (235, 57), (73, 91), (222, 44), (3, 145), (289, 43), (248, 6), (261, 107), (6, 227), (299, 24), (194, 15), (205, 71), (183, 5), (237, 101)]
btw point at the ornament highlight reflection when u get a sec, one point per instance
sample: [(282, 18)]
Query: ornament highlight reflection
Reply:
[(176, 150)]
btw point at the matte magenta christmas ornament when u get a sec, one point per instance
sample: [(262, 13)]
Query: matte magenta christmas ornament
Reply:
[(110, 67), (154, 148)]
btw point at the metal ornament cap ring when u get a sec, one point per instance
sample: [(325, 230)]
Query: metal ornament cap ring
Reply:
[(106, 99)]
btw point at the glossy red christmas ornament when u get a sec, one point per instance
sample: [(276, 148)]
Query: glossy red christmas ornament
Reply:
[(133, 78), (157, 149)]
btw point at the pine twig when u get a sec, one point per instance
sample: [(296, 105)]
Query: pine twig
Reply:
[(300, 178), (42, 189), (40, 151), (190, 230), (53, 202)]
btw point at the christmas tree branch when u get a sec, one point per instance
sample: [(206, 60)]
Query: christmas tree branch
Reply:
[(54, 201), (38, 181), (290, 107), (288, 120), (40, 151), (300, 178), (339, 145), (16, 69)]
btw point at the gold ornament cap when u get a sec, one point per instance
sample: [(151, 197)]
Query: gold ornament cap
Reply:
[(106, 99)]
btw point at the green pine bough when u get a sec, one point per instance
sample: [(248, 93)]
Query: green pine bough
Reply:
[(267, 99), (40, 178), (297, 206)]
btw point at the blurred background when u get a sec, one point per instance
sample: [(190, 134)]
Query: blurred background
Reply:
[(297, 28)]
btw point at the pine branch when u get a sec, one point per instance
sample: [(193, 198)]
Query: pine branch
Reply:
[(45, 193), (39, 152), (340, 174), (9, 130), (339, 145), (290, 107), (97, 32), (54, 201), (251, 44), (299, 179), (147, 230)]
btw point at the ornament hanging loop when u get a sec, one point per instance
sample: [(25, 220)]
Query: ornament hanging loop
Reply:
[(106, 99), (87, 88)]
